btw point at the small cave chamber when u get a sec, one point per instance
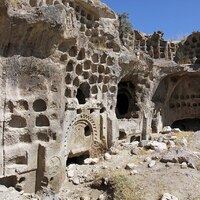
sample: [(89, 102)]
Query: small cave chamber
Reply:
[(187, 124), (126, 101)]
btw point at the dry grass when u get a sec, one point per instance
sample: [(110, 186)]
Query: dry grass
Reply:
[(119, 187), (196, 198), (183, 134), (16, 4)]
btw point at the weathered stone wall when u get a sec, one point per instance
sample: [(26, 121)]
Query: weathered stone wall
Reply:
[(59, 74), (189, 50), (69, 87), (153, 45)]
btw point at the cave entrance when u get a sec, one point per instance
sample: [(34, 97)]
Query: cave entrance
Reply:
[(83, 93), (79, 159), (187, 124), (126, 101), (80, 142), (122, 104)]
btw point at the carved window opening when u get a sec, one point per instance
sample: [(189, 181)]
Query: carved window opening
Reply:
[(17, 122), (33, 3), (122, 135), (39, 105), (83, 93), (42, 120), (87, 131), (9, 181), (188, 124)]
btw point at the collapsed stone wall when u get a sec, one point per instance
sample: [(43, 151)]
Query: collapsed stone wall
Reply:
[(70, 88), (153, 45), (189, 50)]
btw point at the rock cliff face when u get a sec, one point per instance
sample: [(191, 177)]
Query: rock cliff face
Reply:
[(70, 89)]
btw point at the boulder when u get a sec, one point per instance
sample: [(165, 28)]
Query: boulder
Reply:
[(70, 174), (158, 146), (76, 181), (152, 163), (168, 196), (171, 144), (130, 166), (147, 159), (176, 130), (166, 129), (182, 142), (135, 151), (180, 155), (133, 144), (107, 156), (114, 151), (91, 161), (133, 172), (85, 198), (102, 197), (143, 143), (184, 165)]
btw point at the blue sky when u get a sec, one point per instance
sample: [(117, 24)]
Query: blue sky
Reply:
[(177, 18)]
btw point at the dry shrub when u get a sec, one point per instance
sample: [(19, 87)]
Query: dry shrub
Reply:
[(119, 186)]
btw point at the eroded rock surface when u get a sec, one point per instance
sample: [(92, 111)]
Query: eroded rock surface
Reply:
[(71, 88)]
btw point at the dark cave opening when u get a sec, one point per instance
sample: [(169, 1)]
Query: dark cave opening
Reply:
[(80, 96), (87, 131), (187, 124), (122, 135), (83, 92), (79, 159), (126, 107), (122, 104)]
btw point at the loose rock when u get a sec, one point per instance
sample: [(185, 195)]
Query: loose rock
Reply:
[(91, 161), (147, 159), (152, 164), (114, 151), (130, 166), (168, 196), (184, 165), (133, 172), (107, 156), (158, 146), (166, 129)]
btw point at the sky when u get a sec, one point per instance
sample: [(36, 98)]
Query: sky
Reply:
[(176, 18)]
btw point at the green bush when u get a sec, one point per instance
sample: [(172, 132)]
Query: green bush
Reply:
[(125, 27)]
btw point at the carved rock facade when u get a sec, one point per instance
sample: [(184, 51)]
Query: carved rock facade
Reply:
[(69, 87)]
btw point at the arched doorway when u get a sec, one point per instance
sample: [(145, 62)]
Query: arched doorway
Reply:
[(81, 138), (177, 100), (187, 124)]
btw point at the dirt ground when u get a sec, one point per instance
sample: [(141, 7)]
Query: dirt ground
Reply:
[(146, 183), (110, 179)]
